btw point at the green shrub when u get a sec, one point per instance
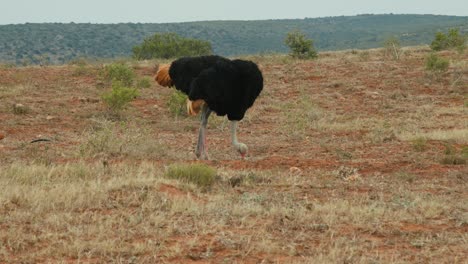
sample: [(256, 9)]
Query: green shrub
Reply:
[(144, 82), (118, 99), (300, 46), (119, 72), (170, 45), (199, 174), (177, 103), (436, 64), (453, 39)]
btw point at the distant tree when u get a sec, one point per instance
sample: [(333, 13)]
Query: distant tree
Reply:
[(170, 45), (300, 46), (453, 39)]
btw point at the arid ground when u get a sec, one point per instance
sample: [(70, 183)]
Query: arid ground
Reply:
[(354, 157)]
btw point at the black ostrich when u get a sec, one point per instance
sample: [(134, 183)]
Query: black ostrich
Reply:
[(213, 83)]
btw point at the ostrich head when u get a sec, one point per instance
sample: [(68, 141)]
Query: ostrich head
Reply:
[(242, 149), (162, 76)]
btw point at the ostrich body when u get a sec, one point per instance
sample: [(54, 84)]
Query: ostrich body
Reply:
[(214, 84)]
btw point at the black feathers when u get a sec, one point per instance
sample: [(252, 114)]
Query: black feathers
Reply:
[(229, 87)]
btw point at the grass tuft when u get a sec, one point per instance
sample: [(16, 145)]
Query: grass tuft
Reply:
[(200, 174), (419, 144), (453, 160), (20, 109)]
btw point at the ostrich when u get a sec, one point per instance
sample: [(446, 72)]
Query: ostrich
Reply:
[(214, 84)]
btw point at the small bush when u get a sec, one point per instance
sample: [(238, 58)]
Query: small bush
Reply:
[(119, 72), (199, 174), (300, 46), (436, 64), (118, 99), (177, 103), (144, 82)]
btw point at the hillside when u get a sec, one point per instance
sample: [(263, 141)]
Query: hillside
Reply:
[(59, 43)]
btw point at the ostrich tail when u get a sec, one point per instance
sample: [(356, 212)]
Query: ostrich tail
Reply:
[(162, 76), (194, 107)]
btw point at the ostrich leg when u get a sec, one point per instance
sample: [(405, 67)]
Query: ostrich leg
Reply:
[(240, 147), (201, 145)]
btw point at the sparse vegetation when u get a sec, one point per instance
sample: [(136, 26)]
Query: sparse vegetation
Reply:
[(334, 174), (107, 139)]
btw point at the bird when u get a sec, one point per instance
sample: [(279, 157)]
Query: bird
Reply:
[(227, 87)]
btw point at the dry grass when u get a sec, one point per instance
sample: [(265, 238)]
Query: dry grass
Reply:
[(122, 212), (457, 135)]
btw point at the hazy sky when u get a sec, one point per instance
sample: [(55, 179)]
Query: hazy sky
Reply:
[(157, 11)]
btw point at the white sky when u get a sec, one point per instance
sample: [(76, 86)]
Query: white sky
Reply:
[(157, 11)]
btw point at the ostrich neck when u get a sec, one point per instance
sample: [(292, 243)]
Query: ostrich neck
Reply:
[(235, 142)]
